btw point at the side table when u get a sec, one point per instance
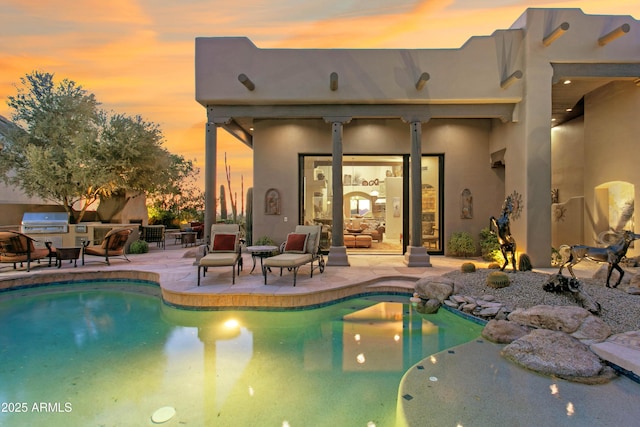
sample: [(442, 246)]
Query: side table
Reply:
[(262, 252), (188, 238), (71, 254)]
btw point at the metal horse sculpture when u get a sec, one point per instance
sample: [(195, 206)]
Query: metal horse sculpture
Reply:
[(612, 255), (500, 227)]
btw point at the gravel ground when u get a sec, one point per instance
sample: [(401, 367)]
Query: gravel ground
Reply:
[(620, 310)]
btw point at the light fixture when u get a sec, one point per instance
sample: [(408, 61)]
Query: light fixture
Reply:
[(566, 82), (568, 110)]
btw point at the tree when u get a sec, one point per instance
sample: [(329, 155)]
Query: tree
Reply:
[(69, 151), (177, 195)]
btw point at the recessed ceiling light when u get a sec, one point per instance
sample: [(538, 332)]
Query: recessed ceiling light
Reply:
[(568, 110), (553, 119), (567, 82)]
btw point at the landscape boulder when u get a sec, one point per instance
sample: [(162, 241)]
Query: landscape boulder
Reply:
[(558, 354), (503, 331)]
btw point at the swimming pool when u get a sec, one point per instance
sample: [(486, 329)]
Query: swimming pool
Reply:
[(107, 357)]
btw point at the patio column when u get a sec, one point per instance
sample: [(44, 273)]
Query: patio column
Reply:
[(338, 251), (210, 160), (416, 255)]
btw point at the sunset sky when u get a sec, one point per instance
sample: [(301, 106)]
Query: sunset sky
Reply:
[(137, 56)]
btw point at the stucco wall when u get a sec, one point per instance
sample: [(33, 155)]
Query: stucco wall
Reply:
[(464, 143), (611, 145)]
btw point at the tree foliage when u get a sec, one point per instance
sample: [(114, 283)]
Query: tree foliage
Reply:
[(176, 196), (69, 151)]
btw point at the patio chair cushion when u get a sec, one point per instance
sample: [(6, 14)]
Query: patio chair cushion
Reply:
[(296, 243), (311, 243), (287, 260), (219, 259), (224, 242)]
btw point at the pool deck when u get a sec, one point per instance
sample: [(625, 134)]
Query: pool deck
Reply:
[(474, 382)]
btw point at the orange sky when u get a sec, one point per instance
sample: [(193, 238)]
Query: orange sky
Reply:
[(137, 56)]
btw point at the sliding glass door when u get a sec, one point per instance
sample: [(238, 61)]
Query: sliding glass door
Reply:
[(375, 201)]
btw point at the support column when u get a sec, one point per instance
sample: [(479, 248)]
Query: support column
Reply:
[(210, 171), (338, 251), (416, 255), (210, 158)]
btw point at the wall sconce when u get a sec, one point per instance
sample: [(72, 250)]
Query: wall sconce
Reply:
[(555, 34), (620, 31), (516, 75), (422, 80), (242, 78), (333, 81)]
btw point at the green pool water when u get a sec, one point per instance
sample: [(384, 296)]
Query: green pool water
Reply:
[(113, 358)]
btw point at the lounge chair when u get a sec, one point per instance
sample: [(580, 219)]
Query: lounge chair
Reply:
[(222, 251), (113, 245), (19, 248), (301, 247)]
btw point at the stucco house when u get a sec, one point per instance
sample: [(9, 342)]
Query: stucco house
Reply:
[(428, 142)]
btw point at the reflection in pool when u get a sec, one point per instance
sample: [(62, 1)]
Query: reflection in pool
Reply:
[(114, 358)]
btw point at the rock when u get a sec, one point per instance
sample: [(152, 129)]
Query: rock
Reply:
[(458, 299), (554, 353), (556, 318), (503, 331), (633, 290), (439, 288), (451, 304), (468, 308), (488, 311), (592, 330), (428, 307)]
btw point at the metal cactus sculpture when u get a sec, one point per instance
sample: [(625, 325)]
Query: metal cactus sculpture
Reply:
[(500, 227)]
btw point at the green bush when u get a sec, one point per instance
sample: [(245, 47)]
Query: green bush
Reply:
[(264, 241), (489, 246), (461, 244), (139, 247)]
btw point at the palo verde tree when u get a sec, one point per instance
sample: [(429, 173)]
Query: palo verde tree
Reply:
[(68, 151)]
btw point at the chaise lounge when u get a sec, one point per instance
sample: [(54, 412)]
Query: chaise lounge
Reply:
[(302, 247), (222, 251)]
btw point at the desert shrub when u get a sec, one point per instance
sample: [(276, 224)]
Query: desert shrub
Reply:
[(468, 267), (524, 263), (498, 279), (461, 244), (139, 247), (489, 246)]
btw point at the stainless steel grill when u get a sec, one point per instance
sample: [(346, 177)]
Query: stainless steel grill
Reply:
[(45, 222)]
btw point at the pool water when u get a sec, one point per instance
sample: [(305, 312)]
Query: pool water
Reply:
[(112, 358)]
